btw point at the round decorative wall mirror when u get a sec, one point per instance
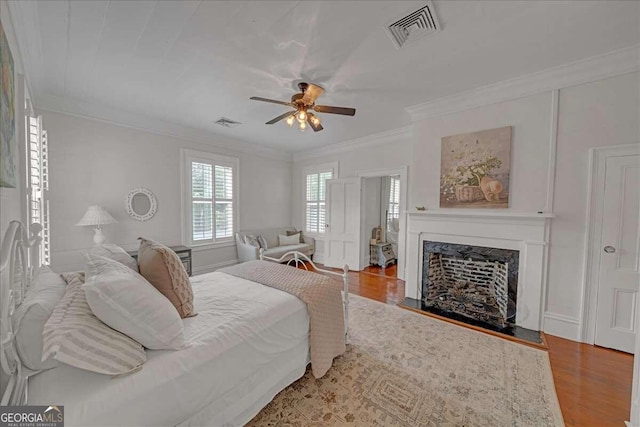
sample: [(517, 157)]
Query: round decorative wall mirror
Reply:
[(141, 204)]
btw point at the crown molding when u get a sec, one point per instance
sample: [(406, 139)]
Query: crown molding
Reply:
[(24, 19), (610, 64), (393, 135), (118, 117)]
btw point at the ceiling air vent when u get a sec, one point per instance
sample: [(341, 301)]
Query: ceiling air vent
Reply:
[(414, 26), (228, 123)]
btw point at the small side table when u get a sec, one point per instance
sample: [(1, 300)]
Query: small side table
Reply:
[(382, 254), (183, 252)]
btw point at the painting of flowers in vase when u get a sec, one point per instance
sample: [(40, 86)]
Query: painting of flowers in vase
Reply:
[(475, 169)]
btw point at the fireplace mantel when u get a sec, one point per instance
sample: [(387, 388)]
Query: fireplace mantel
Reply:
[(527, 232), (464, 213)]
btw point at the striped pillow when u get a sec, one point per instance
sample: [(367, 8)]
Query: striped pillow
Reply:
[(75, 336)]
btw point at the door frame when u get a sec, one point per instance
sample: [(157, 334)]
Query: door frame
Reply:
[(593, 240), (403, 171)]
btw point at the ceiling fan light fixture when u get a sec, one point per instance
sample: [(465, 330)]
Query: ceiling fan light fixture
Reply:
[(315, 120), (302, 116), (290, 120), (302, 126)]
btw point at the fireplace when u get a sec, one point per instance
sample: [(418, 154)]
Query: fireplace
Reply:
[(471, 283)]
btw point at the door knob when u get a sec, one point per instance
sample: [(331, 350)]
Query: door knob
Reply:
[(609, 249)]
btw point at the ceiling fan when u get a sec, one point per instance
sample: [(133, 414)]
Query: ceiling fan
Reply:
[(302, 103)]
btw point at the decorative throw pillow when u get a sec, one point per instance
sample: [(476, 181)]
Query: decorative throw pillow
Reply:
[(251, 239), (294, 232), (288, 240), (164, 270), (75, 336), (116, 253), (31, 316), (263, 242), (124, 300)]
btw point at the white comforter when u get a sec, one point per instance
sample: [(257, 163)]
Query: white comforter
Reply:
[(247, 342)]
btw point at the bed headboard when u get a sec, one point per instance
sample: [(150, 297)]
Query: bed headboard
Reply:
[(19, 260)]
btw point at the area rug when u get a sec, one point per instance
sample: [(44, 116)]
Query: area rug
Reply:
[(406, 369)]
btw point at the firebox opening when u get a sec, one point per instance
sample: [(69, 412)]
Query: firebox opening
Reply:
[(477, 283)]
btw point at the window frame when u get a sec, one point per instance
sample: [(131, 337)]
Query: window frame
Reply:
[(391, 203), (37, 179), (311, 170), (189, 156)]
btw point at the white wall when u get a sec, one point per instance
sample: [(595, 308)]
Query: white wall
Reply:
[(530, 119), (93, 162), (393, 152), (603, 112), (600, 113)]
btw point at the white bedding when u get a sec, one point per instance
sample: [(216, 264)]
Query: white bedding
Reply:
[(247, 342)]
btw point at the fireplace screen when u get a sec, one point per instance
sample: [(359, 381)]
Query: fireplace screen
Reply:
[(471, 281)]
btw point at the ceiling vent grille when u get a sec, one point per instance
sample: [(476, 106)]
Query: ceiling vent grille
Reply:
[(228, 123), (414, 26)]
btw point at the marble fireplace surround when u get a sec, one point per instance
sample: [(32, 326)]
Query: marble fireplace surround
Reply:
[(521, 231)]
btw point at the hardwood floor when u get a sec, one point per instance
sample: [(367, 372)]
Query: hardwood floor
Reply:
[(593, 383)]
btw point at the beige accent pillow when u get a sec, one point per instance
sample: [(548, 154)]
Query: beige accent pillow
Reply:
[(75, 336), (294, 232), (164, 270), (288, 240)]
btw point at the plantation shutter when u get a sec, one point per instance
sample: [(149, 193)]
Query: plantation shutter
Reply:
[(315, 203), (212, 201), (393, 209)]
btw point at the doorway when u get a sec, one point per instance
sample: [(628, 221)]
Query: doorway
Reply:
[(382, 222), (613, 253)]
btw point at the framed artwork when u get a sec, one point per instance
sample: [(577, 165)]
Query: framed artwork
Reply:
[(474, 169), (8, 146)]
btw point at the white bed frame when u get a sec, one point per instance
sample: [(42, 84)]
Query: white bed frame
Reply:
[(298, 258), (19, 260)]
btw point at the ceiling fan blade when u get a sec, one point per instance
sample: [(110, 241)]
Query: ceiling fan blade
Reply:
[(311, 94), (272, 101), (314, 127), (280, 117), (335, 110)]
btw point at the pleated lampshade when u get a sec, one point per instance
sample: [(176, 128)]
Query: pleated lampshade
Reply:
[(96, 215)]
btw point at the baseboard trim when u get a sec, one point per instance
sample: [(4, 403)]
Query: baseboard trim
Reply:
[(213, 267), (562, 326)]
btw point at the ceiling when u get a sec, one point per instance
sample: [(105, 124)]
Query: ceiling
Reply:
[(191, 62)]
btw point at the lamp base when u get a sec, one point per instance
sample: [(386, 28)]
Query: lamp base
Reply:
[(99, 238)]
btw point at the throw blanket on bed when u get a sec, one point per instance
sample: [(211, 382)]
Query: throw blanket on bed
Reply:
[(323, 299)]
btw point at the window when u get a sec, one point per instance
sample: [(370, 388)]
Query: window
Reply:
[(393, 210), (38, 177), (315, 197), (211, 197)]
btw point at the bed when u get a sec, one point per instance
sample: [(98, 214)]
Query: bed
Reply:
[(247, 343)]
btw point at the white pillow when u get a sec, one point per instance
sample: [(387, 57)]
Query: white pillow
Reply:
[(30, 317), (128, 303), (294, 239), (116, 253), (75, 336)]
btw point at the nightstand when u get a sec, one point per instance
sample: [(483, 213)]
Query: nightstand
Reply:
[(183, 252), (382, 254)]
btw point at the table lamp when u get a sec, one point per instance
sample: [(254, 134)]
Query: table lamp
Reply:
[(97, 216)]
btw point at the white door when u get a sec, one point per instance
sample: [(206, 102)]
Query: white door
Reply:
[(342, 237), (619, 280)]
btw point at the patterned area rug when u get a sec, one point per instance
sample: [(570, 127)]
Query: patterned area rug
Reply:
[(405, 369)]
